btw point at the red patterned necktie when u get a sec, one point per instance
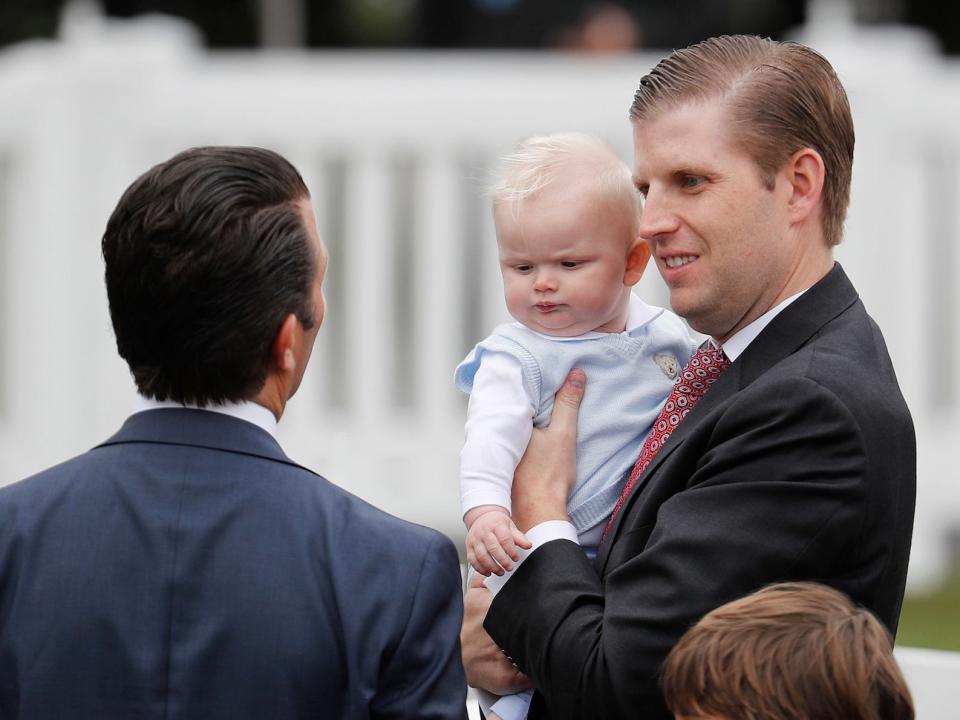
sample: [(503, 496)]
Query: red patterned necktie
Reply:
[(694, 380)]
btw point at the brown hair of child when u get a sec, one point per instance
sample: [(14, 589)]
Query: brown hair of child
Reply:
[(791, 651)]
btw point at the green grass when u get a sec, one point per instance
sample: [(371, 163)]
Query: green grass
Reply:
[(932, 620)]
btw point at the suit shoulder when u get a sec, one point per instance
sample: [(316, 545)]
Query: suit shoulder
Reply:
[(403, 536), (45, 482), (850, 358), (846, 366), (365, 523)]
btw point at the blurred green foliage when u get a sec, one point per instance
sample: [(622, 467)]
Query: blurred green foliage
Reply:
[(932, 620)]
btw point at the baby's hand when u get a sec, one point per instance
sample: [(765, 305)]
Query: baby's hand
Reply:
[(492, 541)]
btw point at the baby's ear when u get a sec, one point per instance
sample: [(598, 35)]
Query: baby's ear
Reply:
[(637, 257)]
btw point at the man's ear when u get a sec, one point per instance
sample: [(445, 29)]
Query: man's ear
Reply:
[(805, 173), (637, 258), (282, 352)]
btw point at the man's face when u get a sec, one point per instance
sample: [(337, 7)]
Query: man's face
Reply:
[(305, 347), (720, 238)]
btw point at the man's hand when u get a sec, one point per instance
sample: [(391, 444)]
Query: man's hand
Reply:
[(492, 540), (487, 667), (546, 473)]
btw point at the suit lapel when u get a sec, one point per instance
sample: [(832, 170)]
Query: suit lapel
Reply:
[(787, 332), (725, 386), (199, 428)]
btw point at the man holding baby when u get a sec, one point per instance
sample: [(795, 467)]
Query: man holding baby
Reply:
[(798, 463)]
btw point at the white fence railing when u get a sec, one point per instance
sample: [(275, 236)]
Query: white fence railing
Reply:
[(932, 677), (396, 149)]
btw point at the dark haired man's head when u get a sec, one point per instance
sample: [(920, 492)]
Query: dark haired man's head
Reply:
[(207, 256)]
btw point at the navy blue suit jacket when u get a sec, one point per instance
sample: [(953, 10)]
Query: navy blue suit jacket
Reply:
[(186, 568)]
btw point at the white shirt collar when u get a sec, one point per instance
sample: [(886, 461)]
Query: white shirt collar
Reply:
[(638, 315), (738, 342), (246, 410)]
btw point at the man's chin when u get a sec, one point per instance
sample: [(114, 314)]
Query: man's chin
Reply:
[(684, 307), (697, 317)]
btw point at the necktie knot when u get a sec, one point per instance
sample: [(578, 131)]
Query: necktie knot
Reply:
[(708, 359)]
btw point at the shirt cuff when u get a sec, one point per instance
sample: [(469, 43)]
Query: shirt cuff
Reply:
[(538, 535), (512, 707)]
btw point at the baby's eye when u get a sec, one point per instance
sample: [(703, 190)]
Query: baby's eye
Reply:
[(523, 268), (569, 263)]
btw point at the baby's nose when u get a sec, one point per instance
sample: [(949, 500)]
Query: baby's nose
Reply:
[(544, 281)]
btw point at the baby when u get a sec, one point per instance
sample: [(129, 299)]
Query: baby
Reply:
[(566, 215)]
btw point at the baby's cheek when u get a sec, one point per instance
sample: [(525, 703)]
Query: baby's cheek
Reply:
[(515, 300)]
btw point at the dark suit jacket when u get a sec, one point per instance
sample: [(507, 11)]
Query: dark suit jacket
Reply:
[(798, 464), (186, 568)]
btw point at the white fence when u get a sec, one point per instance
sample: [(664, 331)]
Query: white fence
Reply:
[(932, 677), (396, 149)]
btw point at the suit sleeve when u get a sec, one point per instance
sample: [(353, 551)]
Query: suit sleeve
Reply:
[(776, 494), (424, 677)]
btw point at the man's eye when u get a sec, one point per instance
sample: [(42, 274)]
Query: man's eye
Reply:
[(692, 181), (569, 263)]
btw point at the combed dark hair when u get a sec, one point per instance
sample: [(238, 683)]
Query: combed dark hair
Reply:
[(782, 97), (205, 255), (792, 651)]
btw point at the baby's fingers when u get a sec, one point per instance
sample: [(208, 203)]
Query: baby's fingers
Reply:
[(499, 553), (479, 556), (505, 550), (520, 539)]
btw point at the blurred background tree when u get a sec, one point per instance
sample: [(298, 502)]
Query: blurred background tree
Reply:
[(466, 24)]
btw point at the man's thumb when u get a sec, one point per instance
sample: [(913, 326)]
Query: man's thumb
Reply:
[(567, 403)]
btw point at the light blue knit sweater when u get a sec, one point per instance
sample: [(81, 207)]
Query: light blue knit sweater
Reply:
[(629, 376)]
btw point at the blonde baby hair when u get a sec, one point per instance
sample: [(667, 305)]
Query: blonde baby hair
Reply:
[(539, 160)]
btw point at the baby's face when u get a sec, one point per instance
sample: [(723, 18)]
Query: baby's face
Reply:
[(564, 258)]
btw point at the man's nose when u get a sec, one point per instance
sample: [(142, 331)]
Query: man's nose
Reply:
[(657, 217)]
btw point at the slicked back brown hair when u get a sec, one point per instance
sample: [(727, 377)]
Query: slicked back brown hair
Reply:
[(781, 97), (793, 651), (205, 256)]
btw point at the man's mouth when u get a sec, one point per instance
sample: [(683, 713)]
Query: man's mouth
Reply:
[(675, 261)]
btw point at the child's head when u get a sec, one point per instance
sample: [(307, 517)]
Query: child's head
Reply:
[(793, 651), (566, 213)]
